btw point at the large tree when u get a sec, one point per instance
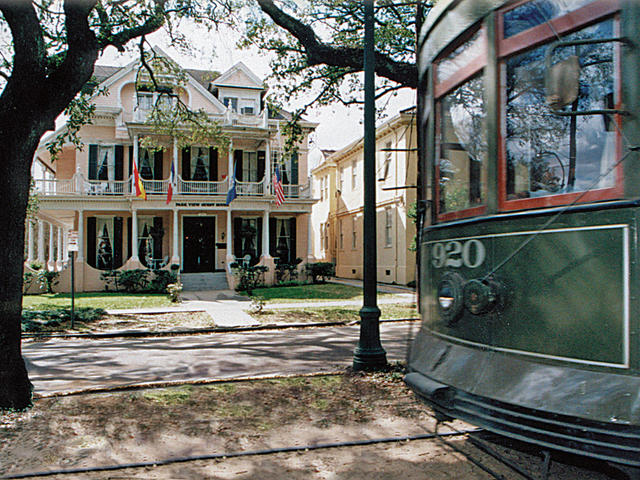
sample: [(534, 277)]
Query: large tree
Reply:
[(50, 49), (317, 50)]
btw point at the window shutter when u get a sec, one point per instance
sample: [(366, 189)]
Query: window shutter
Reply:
[(157, 165), (272, 237), (259, 235), (261, 162), (157, 245), (294, 168), (117, 242), (91, 241), (130, 160), (237, 161), (237, 241), (292, 242), (93, 162), (186, 163), (128, 238), (213, 164), (119, 163)]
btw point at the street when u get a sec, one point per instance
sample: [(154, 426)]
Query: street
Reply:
[(69, 365)]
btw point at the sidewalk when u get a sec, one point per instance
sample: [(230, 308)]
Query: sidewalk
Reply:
[(229, 309)]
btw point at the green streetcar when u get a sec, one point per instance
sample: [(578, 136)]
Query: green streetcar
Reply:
[(529, 266)]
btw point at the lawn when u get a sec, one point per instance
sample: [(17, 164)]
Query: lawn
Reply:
[(310, 293), (102, 300), (333, 314)]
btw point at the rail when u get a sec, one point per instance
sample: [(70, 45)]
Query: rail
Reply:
[(202, 187), (79, 185)]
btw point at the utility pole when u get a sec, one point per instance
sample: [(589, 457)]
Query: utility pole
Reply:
[(369, 354)]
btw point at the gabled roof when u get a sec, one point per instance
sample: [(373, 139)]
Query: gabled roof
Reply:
[(239, 76)]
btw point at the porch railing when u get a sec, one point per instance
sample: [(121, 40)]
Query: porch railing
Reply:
[(250, 188), (202, 187), (79, 185)]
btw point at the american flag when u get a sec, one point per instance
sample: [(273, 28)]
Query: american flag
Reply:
[(277, 187)]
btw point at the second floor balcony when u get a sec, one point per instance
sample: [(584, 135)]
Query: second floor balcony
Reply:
[(78, 185)]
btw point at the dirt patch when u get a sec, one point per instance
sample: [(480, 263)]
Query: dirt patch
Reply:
[(157, 424), (331, 314)]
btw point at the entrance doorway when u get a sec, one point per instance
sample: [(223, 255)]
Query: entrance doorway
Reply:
[(198, 244)]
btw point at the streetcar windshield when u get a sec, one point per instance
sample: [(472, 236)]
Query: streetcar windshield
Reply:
[(547, 153)]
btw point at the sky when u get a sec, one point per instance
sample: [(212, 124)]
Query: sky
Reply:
[(338, 125)]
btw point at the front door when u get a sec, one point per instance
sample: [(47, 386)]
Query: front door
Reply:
[(198, 244)]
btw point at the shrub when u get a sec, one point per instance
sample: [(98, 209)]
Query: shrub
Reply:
[(161, 280), (287, 272), (174, 290), (132, 281), (411, 284), (320, 272), (249, 277), (47, 280), (27, 281)]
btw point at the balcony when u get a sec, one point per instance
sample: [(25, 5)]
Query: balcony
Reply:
[(80, 186)]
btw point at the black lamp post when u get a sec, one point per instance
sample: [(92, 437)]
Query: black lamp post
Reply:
[(369, 354)]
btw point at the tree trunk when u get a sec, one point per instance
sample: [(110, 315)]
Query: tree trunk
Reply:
[(16, 154)]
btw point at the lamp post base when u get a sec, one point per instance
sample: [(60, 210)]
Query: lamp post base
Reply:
[(369, 355)]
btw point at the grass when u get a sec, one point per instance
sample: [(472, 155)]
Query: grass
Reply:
[(333, 314), (310, 293), (104, 300)]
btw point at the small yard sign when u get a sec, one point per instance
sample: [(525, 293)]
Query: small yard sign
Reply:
[(73, 241)]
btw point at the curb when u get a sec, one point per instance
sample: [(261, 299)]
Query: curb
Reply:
[(203, 331)]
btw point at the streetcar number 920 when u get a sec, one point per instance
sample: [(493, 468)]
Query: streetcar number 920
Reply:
[(455, 254)]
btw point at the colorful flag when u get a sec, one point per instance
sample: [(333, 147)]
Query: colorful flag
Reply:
[(232, 194), (277, 187), (172, 181), (137, 182)]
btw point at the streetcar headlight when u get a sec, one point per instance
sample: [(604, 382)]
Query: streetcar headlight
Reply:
[(450, 296)]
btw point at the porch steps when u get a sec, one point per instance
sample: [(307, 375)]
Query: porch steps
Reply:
[(201, 282)]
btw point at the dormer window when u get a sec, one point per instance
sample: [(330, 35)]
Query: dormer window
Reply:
[(247, 111), (231, 102)]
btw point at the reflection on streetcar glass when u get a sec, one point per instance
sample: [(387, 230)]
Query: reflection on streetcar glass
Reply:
[(463, 147), (548, 154)]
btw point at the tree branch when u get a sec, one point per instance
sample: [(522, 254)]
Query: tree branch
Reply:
[(318, 53)]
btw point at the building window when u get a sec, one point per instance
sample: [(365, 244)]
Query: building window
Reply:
[(104, 243), (354, 234), (200, 163), (231, 102), (283, 239), (250, 167), (354, 172), (386, 162), (145, 240), (326, 236), (249, 236), (388, 227), (146, 164), (321, 188), (247, 106), (341, 179), (326, 187), (106, 162), (341, 237)]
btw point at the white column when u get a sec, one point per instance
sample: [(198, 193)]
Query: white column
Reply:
[(229, 231), (175, 166), (176, 254), (65, 245), (30, 241), (267, 170), (81, 240), (265, 234), (135, 161), (59, 255), (231, 173), (41, 242), (50, 262), (134, 235)]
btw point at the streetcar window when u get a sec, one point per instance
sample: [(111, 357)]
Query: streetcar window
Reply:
[(462, 147), (537, 12), (549, 154), (461, 150)]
